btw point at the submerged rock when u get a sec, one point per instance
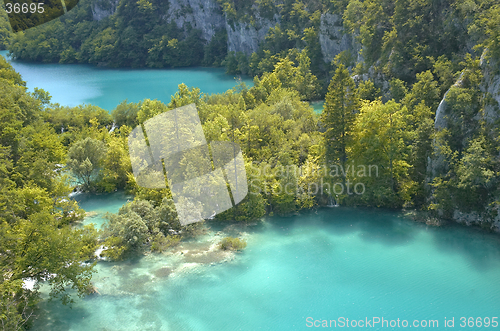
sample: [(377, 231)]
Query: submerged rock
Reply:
[(163, 272)]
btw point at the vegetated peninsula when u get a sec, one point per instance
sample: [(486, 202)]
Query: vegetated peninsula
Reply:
[(411, 90)]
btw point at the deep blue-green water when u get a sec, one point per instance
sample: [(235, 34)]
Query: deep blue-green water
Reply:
[(72, 85), (336, 263)]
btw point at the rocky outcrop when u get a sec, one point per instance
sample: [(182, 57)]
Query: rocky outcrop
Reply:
[(245, 37), (205, 15), (332, 37), (490, 216), (437, 164), (102, 9), (491, 86)]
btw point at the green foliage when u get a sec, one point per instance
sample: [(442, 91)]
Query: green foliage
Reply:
[(234, 244), (16, 306), (341, 104), (380, 140), (37, 240), (465, 180), (417, 47), (73, 123), (216, 50), (126, 114), (115, 248), (85, 159), (6, 33), (293, 74), (397, 89), (368, 91), (161, 242), (140, 224)]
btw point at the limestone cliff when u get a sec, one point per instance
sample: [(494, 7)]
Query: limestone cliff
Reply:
[(207, 16), (438, 164), (491, 86), (103, 9), (332, 38), (244, 37)]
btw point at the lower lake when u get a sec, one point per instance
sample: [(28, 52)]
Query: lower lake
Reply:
[(332, 264)]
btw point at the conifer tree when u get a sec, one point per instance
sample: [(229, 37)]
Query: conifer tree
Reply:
[(341, 104)]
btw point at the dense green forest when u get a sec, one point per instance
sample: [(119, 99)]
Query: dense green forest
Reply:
[(385, 138)]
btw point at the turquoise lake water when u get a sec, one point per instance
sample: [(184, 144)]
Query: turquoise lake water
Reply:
[(101, 204), (318, 106), (75, 84), (338, 262)]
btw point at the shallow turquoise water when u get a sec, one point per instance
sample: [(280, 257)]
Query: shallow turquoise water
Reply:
[(318, 106), (337, 263), (101, 204), (75, 84)]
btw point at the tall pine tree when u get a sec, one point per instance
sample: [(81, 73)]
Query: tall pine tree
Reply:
[(341, 104)]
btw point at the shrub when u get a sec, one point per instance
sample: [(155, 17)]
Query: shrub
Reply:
[(161, 243), (230, 243)]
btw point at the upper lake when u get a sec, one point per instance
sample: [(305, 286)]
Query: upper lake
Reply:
[(75, 84)]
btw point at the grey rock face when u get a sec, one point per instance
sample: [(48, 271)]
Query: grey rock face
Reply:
[(205, 15), (491, 86), (437, 164), (332, 38), (243, 37), (99, 13)]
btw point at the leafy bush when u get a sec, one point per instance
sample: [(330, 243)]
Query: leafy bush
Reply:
[(230, 243), (161, 243)]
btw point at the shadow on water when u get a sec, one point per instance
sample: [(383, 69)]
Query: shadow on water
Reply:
[(381, 226), (54, 316), (480, 248)]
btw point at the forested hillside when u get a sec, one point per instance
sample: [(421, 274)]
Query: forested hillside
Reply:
[(398, 39), (5, 29)]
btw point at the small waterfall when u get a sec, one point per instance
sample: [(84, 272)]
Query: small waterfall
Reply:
[(98, 252), (330, 202), (113, 127), (75, 192)]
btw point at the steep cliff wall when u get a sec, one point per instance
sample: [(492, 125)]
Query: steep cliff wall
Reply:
[(244, 37), (446, 119), (491, 86), (332, 38), (205, 15), (103, 9)]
